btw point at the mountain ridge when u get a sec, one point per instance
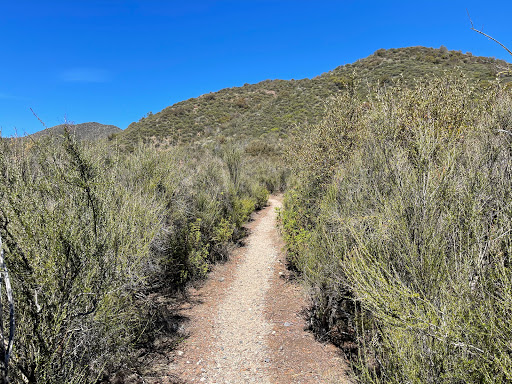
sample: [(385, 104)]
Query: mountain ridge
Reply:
[(273, 107), (85, 131)]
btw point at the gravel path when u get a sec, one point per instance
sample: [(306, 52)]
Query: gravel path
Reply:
[(239, 352), (246, 324)]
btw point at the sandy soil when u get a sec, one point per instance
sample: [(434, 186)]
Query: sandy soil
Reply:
[(246, 323)]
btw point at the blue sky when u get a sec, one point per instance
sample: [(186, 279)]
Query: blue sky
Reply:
[(113, 61)]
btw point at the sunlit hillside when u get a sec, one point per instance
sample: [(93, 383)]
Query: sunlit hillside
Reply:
[(272, 107)]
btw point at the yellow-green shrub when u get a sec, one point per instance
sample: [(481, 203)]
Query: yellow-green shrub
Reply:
[(90, 231), (409, 239)]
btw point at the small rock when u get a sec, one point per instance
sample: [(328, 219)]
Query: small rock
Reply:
[(287, 324), (221, 279), (180, 353)]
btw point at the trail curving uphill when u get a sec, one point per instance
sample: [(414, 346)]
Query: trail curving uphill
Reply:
[(246, 324)]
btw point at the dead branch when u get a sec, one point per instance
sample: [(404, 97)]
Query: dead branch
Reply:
[(6, 350), (486, 35)]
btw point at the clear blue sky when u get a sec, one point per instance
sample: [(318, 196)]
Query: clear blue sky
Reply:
[(113, 61)]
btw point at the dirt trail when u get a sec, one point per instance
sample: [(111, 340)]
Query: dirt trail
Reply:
[(246, 324)]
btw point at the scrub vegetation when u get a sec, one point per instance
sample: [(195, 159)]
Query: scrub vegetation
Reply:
[(397, 217), (269, 110), (399, 220), (90, 233)]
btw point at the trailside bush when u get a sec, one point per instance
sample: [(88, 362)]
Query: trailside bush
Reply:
[(76, 247), (90, 232), (408, 234)]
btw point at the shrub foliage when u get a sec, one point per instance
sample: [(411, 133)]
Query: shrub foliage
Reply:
[(89, 232), (399, 219), (270, 109)]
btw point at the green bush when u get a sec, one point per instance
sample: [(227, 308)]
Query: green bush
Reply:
[(404, 235), (76, 248), (90, 232)]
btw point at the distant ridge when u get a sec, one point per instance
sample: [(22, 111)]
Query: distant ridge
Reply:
[(86, 131), (272, 107)]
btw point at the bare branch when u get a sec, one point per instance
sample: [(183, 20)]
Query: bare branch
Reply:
[(486, 35), (38, 118), (4, 275)]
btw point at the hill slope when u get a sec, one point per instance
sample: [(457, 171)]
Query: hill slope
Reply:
[(85, 131), (271, 107)]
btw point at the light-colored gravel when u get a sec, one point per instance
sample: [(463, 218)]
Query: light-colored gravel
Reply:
[(245, 323), (239, 353)]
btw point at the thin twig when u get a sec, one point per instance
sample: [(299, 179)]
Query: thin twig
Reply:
[(486, 35), (10, 300), (37, 117)]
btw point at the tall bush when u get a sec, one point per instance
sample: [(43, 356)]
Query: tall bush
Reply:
[(91, 233), (408, 234), (75, 246)]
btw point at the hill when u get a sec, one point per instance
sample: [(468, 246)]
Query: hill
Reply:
[(272, 107), (85, 131)]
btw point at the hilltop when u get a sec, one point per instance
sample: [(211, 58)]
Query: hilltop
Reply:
[(86, 131), (272, 107)]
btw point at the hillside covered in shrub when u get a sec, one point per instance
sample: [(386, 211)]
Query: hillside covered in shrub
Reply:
[(272, 107), (84, 131)]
